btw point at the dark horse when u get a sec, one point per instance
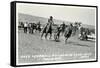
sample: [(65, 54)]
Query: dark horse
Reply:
[(68, 32), (47, 29), (32, 27), (38, 27)]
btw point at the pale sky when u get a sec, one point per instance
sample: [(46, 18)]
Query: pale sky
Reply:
[(86, 15)]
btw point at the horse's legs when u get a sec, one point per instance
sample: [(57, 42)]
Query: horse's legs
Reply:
[(57, 36), (46, 35), (39, 30), (66, 40), (24, 30), (62, 33), (31, 30), (50, 36), (42, 35)]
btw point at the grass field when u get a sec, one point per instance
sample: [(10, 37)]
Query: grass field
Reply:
[(32, 49)]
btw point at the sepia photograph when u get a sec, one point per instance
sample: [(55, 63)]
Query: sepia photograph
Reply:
[(54, 33)]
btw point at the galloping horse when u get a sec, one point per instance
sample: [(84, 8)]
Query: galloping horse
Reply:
[(63, 27), (48, 28), (57, 32), (68, 32)]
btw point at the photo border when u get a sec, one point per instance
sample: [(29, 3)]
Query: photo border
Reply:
[(13, 33)]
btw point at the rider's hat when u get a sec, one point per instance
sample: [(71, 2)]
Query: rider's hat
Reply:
[(51, 17)]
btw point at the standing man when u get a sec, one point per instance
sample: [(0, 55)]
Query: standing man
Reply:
[(25, 27), (38, 26)]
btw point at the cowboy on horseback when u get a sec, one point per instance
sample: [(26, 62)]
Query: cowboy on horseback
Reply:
[(48, 28)]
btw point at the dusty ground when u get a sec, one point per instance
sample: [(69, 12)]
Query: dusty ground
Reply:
[(32, 49)]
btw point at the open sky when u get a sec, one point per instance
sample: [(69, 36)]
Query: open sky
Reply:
[(86, 15)]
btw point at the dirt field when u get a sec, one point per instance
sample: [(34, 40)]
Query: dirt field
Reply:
[(32, 49)]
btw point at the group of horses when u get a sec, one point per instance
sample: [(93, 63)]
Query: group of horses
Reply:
[(30, 27), (56, 31)]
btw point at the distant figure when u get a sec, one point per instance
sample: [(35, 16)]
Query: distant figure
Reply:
[(48, 28), (29, 27), (25, 27), (68, 32), (80, 30)]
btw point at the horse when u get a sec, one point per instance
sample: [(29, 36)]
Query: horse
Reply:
[(32, 27), (57, 33), (74, 31), (38, 27), (68, 32), (47, 29), (21, 25)]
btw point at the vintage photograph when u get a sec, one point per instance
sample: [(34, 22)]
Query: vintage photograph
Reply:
[(55, 33)]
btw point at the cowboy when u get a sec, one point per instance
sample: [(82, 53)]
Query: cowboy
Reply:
[(48, 28)]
